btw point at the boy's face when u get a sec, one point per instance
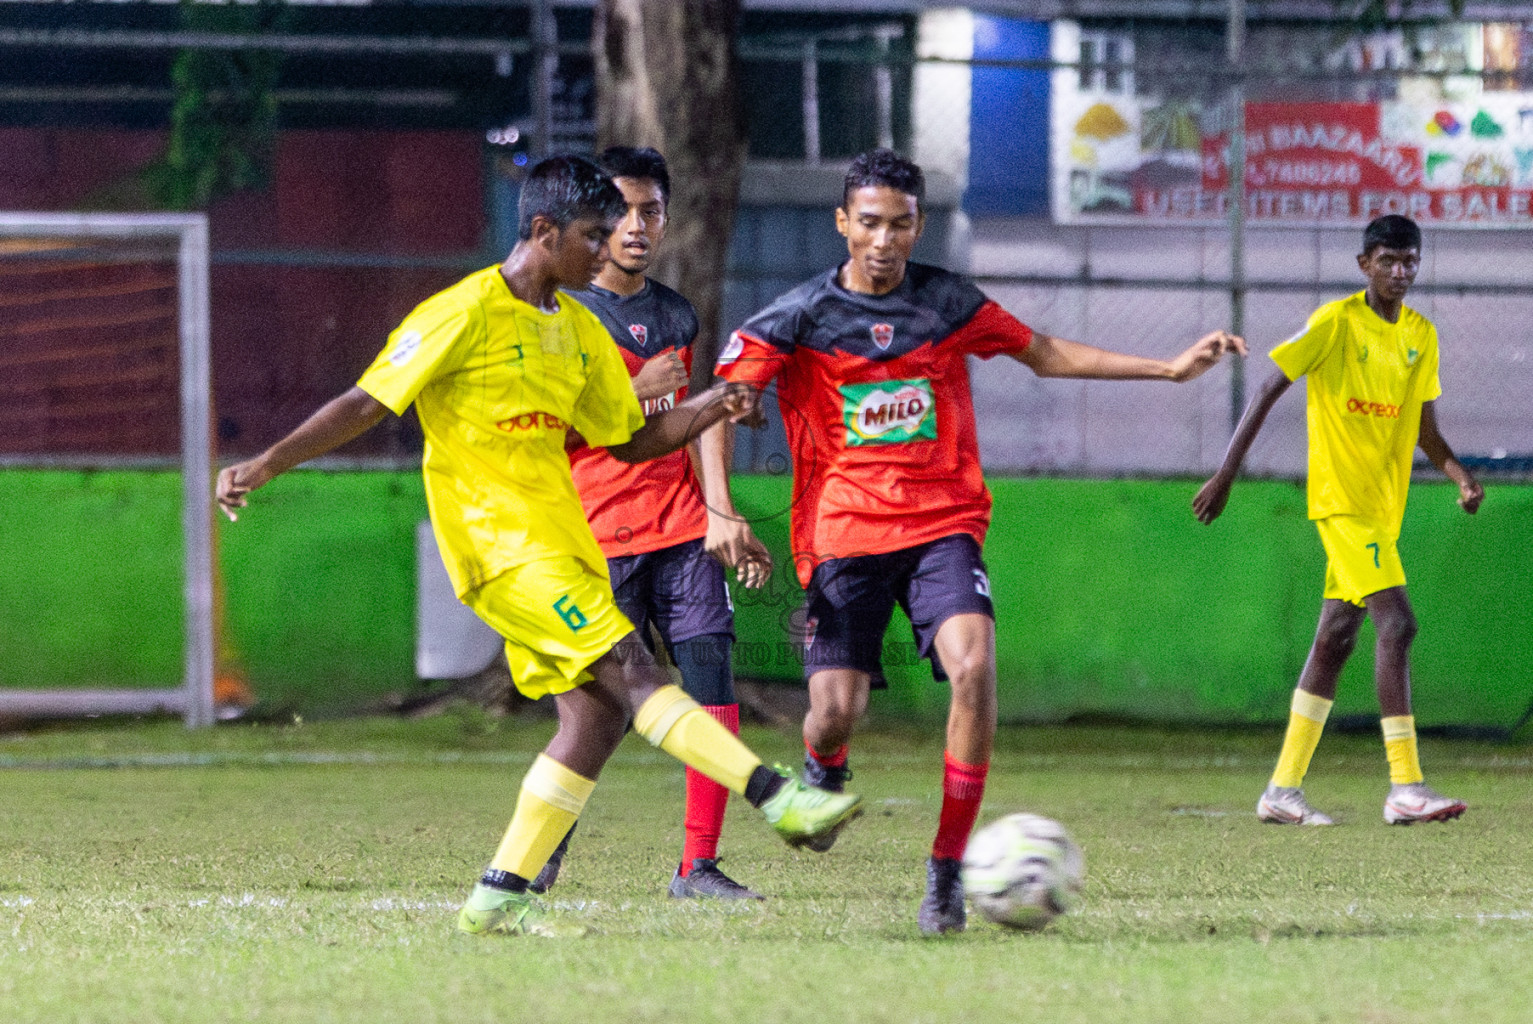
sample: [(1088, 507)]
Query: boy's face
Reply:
[(642, 228), (881, 226), (579, 250), (1390, 272)]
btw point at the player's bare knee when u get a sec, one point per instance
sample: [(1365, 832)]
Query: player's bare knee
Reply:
[(839, 712), (1336, 638), (1397, 629), (973, 677)]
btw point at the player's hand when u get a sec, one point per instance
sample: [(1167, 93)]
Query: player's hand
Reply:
[(1470, 494), (660, 376), (743, 403), (1204, 354), (237, 481), (1211, 499), (731, 541)]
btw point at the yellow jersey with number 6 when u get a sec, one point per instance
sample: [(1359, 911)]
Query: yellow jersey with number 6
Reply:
[(1367, 379), (497, 384)]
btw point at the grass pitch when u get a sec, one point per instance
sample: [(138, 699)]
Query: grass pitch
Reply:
[(312, 873)]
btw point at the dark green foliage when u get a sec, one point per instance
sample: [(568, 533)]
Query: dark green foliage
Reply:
[(224, 121)]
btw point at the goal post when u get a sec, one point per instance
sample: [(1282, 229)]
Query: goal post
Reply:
[(183, 237)]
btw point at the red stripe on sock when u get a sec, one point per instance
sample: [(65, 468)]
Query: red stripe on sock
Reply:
[(963, 789), (706, 800), (836, 759)]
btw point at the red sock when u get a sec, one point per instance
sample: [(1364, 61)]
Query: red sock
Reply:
[(706, 800), (832, 760), (963, 788)]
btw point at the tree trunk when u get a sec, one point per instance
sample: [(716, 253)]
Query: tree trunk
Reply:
[(666, 77)]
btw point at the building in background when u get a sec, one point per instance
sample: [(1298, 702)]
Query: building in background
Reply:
[(1076, 151)]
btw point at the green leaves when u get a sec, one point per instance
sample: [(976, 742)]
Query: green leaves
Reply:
[(224, 121)]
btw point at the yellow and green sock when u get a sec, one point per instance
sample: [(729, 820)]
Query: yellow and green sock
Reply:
[(1306, 720), (678, 725), (1400, 748), (551, 798)]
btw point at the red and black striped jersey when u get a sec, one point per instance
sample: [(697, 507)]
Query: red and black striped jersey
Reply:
[(651, 505), (874, 393)]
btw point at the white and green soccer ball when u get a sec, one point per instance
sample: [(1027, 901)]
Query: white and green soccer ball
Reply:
[(1023, 870)]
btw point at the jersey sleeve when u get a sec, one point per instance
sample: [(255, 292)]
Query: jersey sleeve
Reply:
[(1306, 350), (747, 359), (756, 353), (607, 411), (428, 344), (1428, 384), (992, 331)]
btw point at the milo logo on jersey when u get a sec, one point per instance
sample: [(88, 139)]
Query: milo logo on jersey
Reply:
[(888, 412), (650, 406)]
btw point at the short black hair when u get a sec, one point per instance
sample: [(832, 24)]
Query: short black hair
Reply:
[(637, 162), (564, 188), (887, 168), (1391, 231)]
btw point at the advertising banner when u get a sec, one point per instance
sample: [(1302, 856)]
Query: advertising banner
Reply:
[(1462, 163)]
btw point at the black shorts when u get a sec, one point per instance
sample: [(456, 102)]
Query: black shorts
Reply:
[(850, 600), (680, 589)]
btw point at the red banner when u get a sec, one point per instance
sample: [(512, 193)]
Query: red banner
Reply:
[(1331, 161)]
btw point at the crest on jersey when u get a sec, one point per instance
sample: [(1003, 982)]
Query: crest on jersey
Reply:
[(883, 335), (639, 332)]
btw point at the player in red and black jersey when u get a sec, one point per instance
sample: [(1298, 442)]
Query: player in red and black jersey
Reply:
[(665, 546), (890, 505)]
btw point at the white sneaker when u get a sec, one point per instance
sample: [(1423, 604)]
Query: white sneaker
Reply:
[(1285, 805), (1416, 801)]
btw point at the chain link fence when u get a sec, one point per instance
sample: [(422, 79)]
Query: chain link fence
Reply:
[(1089, 169), (1080, 170)]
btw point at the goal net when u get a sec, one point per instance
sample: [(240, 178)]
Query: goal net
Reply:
[(105, 398)]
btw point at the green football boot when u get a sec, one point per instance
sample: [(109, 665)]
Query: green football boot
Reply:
[(809, 817), (491, 911)]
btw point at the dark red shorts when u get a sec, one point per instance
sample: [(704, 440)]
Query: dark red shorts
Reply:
[(850, 601)]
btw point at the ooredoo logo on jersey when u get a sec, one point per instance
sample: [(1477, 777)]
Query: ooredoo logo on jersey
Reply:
[(532, 421)]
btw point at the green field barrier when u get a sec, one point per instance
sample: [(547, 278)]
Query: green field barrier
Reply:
[(1111, 599)]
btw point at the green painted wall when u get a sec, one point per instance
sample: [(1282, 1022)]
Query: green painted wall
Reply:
[(1111, 599)]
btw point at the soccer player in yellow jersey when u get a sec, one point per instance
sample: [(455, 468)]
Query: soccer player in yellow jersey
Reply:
[(1371, 364), (501, 369)]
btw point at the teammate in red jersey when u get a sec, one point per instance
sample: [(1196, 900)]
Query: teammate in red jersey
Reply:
[(890, 501), (665, 548)]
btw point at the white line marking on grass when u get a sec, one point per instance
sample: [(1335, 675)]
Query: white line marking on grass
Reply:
[(19, 901), (244, 899), (1199, 812), (1516, 915), (389, 903)]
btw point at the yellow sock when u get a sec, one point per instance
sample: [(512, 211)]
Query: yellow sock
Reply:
[(678, 725), (552, 797), (1306, 720), (1400, 748)]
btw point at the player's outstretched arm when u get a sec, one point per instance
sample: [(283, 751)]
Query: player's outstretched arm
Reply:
[(1431, 440), (730, 538), (1213, 495), (344, 417), (667, 431), (1058, 357)]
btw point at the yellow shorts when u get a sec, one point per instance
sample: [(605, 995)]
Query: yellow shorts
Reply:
[(1361, 558), (557, 617)]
